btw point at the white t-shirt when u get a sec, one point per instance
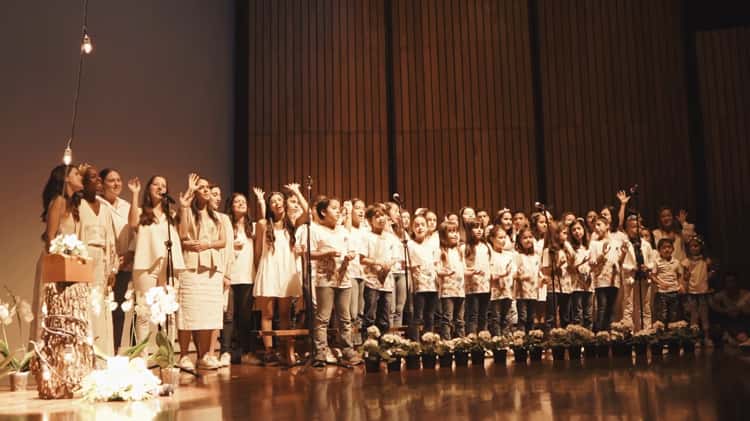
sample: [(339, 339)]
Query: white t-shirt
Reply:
[(357, 241), (242, 272), (499, 264), (327, 271), (381, 248), (426, 256), (607, 274), (697, 270), (478, 284), (452, 286), (528, 289)]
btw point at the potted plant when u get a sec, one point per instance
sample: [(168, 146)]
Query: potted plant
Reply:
[(675, 333), (658, 340), (621, 334), (534, 343), (558, 340), (602, 340), (444, 351), (430, 343), (519, 346), (413, 350), (578, 336), (461, 349), (499, 347), (372, 354), (393, 345), (480, 345), (15, 362), (640, 341)]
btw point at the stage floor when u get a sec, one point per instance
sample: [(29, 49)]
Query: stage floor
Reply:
[(715, 386)]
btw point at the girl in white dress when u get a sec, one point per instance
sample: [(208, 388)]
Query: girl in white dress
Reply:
[(201, 283), (150, 220), (277, 279), (502, 270), (97, 232)]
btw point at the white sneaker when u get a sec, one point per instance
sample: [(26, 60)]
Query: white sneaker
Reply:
[(209, 362), (186, 363), (225, 360)]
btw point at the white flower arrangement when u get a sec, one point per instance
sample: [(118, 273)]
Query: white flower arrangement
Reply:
[(658, 326), (616, 336), (603, 337), (463, 344), (579, 335), (677, 325), (430, 342), (391, 340), (624, 327), (644, 336), (123, 380), (160, 303), (559, 337), (373, 332), (18, 359), (484, 336), (518, 339), (534, 338), (68, 245), (499, 342)]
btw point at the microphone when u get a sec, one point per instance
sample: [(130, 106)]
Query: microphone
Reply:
[(633, 190), (167, 198), (309, 181), (396, 198), (540, 205)]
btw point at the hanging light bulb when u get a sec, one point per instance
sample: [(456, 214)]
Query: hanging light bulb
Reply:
[(67, 155), (86, 45)]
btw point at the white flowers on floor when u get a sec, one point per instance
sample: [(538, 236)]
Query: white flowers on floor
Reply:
[(122, 380)]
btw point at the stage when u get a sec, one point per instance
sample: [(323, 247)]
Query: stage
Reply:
[(705, 387)]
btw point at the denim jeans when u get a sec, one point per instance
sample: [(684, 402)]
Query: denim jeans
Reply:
[(605, 305), (525, 310), (329, 298), (452, 323), (562, 301), (477, 306), (698, 311), (357, 300), (377, 310), (499, 317), (582, 308), (399, 300), (668, 307), (424, 309)]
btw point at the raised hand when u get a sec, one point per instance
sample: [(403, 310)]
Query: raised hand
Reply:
[(193, 179), (623, 197), (186, 199), (682, 216), (293, 187), (134, 184), (259, 193)]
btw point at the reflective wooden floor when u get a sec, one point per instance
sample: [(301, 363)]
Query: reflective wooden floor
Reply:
[(704, 387)]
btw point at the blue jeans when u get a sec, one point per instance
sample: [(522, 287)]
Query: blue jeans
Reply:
[(668, 307), (582, 308), (399, 300), (499, 317), (424, 309), (525, 313), (452, 324), (377, 310), (563, 306), (476, 312), (605, 305)]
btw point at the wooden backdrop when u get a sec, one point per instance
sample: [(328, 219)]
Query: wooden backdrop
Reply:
[(495, 103)]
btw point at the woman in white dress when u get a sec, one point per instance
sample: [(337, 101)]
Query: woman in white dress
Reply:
[(277, 279), (150, 218), (97, 232), (201, 283)]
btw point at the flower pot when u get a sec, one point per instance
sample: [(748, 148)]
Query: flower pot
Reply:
[(19, 381), (674, 347), (477, 357), (429, 361), (446, 360), (574, 352), (520, 354), (170, 376), (656, 349), (500, 356), (394, 365), (589, 351), (622, 350), (372, 365), (602, 350), (558, 353), (640, 349), (688, 347), (535, 353), (462, 358), (412, 362)]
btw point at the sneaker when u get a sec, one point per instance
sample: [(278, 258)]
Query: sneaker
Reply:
[(270, 359), (225, 360), (331, 357), (352, 358), (186, 363), (209, 362)]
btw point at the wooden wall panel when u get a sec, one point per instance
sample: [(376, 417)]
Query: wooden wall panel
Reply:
[(463, 104), (316, 86), (724, 76), (614, 103)]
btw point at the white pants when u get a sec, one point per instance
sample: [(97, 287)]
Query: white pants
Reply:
[(631, 304), (143, 280)]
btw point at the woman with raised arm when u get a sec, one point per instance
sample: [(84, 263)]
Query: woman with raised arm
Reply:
[(277, 279), (201, 283), (150, 219)]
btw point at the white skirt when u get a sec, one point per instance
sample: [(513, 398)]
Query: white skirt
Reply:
[(277, 275), (200, 298)]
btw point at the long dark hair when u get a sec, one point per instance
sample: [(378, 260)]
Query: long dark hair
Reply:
[(147, 205), (197, 212), (443, 229), (584, 242), (471, 242), (288, 225), (56, 187), (235, 221), (535, 218)]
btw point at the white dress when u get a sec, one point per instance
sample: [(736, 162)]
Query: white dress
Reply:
[(277, 274)]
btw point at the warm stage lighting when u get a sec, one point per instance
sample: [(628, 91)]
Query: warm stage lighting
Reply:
[(86, 46), (67, 156)]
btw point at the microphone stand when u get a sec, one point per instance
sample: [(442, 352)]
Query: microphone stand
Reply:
[(639, 258), (411, 329), (553, 264)]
